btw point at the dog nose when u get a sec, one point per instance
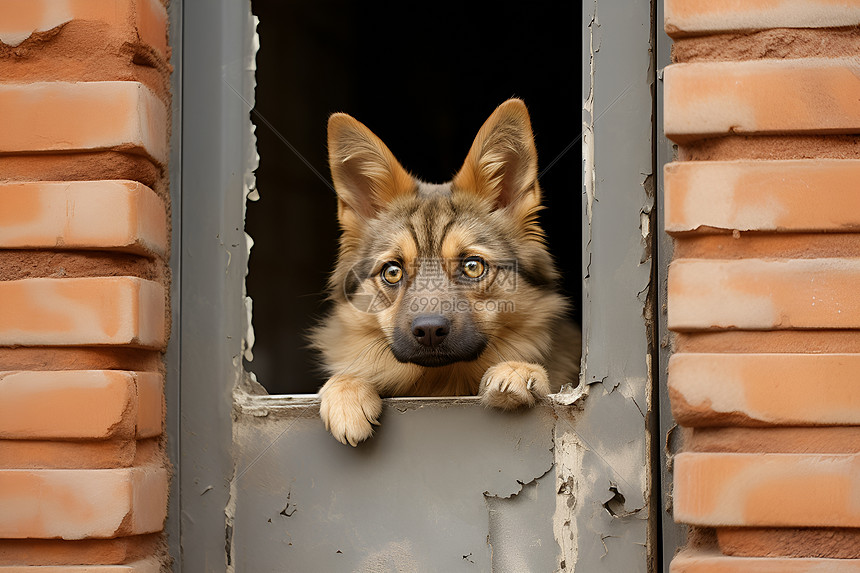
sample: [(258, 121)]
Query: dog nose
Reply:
[(431, 329)]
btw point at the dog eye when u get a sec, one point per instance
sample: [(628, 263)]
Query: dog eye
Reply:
[(474, 267), (392, 273)]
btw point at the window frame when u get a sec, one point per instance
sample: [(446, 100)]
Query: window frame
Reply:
[(213, 158)]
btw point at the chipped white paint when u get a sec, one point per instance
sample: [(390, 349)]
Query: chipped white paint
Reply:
[(568, 475), (247, 381), (645, 224), (569, 394), (249, 338), (249, 189), (588, 127)]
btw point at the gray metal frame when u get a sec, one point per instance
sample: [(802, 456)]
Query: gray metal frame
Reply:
[(229, 481), (618, 295), (214, 140), (673, 535)]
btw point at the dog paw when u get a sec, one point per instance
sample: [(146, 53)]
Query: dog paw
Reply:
[(510, 385), (350, 408)]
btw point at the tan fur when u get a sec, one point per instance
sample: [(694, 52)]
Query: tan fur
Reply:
[(502, 165), (350, 408), (488, 210), (509, 385), (358, 158)]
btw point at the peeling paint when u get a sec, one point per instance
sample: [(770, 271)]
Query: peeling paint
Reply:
[(247, 382), (615, 505), (440, 473), (249, 181), (290, 508), (645, 224), (569, 394), (248, 340), (607, 437), (588, 126), (569, 452), (516, 543), (560, 487)]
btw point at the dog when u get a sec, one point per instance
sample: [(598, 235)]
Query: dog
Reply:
[(440, 289)]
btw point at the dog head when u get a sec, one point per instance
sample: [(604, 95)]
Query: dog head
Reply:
[(443, 273)]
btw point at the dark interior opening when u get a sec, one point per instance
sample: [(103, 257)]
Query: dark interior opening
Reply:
[(424, 78)]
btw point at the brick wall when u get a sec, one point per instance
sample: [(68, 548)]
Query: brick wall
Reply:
[(84, 127), (763, 201)]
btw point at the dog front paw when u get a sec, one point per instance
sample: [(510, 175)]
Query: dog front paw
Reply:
[(510, 385), (350, 408)]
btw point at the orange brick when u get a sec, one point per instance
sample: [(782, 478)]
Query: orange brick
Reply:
[(41, 454), (758, 438), (682, 17), (82, 116), (150, 404), (103, 310), (828, 542), (80, 404), (761, 97), (122, 215), (134, 20), (693, 561), (62, 552), (787, 389), (756, 294), (95, 404), (767, 490), (148, 565), (80, 504), (149, 452), (804, 195)]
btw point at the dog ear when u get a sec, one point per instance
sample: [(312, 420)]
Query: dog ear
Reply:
[(366, 175), (502, 163)]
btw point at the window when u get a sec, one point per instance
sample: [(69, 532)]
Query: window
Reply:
[(450, 485), (423, 78)]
